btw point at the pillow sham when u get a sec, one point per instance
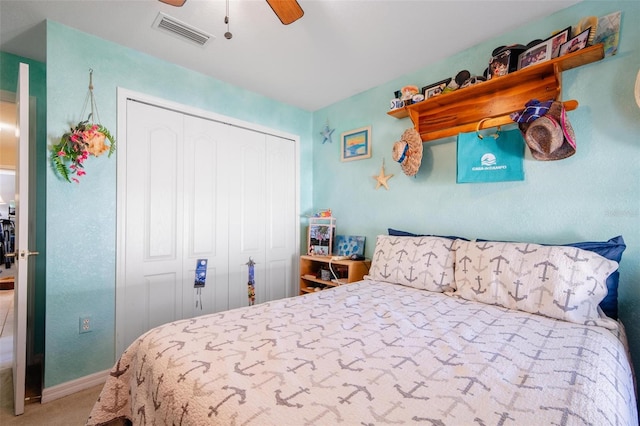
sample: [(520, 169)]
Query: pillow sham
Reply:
[(425, 263), (611, 249), (561, 282)]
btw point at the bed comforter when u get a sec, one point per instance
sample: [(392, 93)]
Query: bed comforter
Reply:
[(372, 353)]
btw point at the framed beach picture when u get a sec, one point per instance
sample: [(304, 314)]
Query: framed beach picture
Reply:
[(356, 144)]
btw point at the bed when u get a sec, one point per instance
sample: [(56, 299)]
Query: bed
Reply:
[(442, 331)]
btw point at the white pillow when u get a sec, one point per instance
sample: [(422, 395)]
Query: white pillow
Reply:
[(560, 282), (421, 262)]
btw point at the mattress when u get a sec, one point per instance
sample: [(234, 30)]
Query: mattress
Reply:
[(372, 353)]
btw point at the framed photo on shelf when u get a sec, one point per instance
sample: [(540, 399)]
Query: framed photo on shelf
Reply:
[(541, 52), (608, 33), (320, 240), (557, 40), (356, 144), (499, 64), (347, 245), (435, 89), (576, 43)]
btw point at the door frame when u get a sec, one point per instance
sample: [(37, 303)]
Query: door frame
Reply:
[(123, 96)]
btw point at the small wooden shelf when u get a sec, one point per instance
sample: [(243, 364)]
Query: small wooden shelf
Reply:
[(351, 271), (462, 110)]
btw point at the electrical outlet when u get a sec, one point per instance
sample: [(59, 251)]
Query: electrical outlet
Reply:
[(85, 324)]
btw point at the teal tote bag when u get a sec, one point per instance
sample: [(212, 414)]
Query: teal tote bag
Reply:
[(494, 157)]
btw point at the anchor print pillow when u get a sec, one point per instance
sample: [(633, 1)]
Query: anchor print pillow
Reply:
[(560, 282), (425, 262)]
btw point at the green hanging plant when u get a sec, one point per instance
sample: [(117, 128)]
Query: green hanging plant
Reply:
[(87, 138), (75, 147)]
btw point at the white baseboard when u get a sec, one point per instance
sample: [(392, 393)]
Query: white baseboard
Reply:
[(68, 388)]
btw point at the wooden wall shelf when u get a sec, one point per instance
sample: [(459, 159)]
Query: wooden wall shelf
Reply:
[(461, 110)]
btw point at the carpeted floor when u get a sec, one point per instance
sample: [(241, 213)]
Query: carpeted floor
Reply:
[(71, 410)]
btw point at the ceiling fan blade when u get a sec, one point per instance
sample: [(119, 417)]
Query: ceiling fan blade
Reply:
[(176, 3), (287, 10)]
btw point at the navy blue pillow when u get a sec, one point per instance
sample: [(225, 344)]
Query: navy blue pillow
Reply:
[(611, 250), (397, 233)]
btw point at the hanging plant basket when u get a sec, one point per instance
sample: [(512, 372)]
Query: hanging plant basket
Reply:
[(75, 147), (81, 141)]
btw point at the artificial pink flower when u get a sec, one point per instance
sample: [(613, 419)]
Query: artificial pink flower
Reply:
[(77, 145)]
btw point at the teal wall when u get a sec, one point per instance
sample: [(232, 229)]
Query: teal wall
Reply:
[(81, 218), (9, 65), (594, 195)]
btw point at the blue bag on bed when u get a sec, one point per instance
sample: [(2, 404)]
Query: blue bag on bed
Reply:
[(494, 157)]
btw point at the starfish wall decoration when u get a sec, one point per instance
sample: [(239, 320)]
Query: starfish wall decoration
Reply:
[(326, 133), (381, 179)]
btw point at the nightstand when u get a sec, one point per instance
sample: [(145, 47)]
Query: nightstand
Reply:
[(346, 271)]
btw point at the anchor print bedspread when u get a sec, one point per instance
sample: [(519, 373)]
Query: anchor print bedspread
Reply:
[(372, 353)]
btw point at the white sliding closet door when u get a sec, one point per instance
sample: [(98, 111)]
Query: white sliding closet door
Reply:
[(280, 221), (201, 189), (247, 200), (153, 290), (262, 214), (206, 217)]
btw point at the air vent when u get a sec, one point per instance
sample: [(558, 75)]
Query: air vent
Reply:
[(171, 25)]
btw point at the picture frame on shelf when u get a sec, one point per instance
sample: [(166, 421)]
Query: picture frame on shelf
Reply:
[(608, 33), (347, 245), (356, 144), (576, 43), (320, 240), (584, 23), (435, 89), (499, 64), (539, 53), (557, 40)]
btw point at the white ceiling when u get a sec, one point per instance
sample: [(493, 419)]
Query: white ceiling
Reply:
[(337, 49)]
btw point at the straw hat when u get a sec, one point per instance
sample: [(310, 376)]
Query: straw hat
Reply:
[(408, 151), (551, 136)]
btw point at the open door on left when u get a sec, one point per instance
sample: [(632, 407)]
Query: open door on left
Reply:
[(22, 252)]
